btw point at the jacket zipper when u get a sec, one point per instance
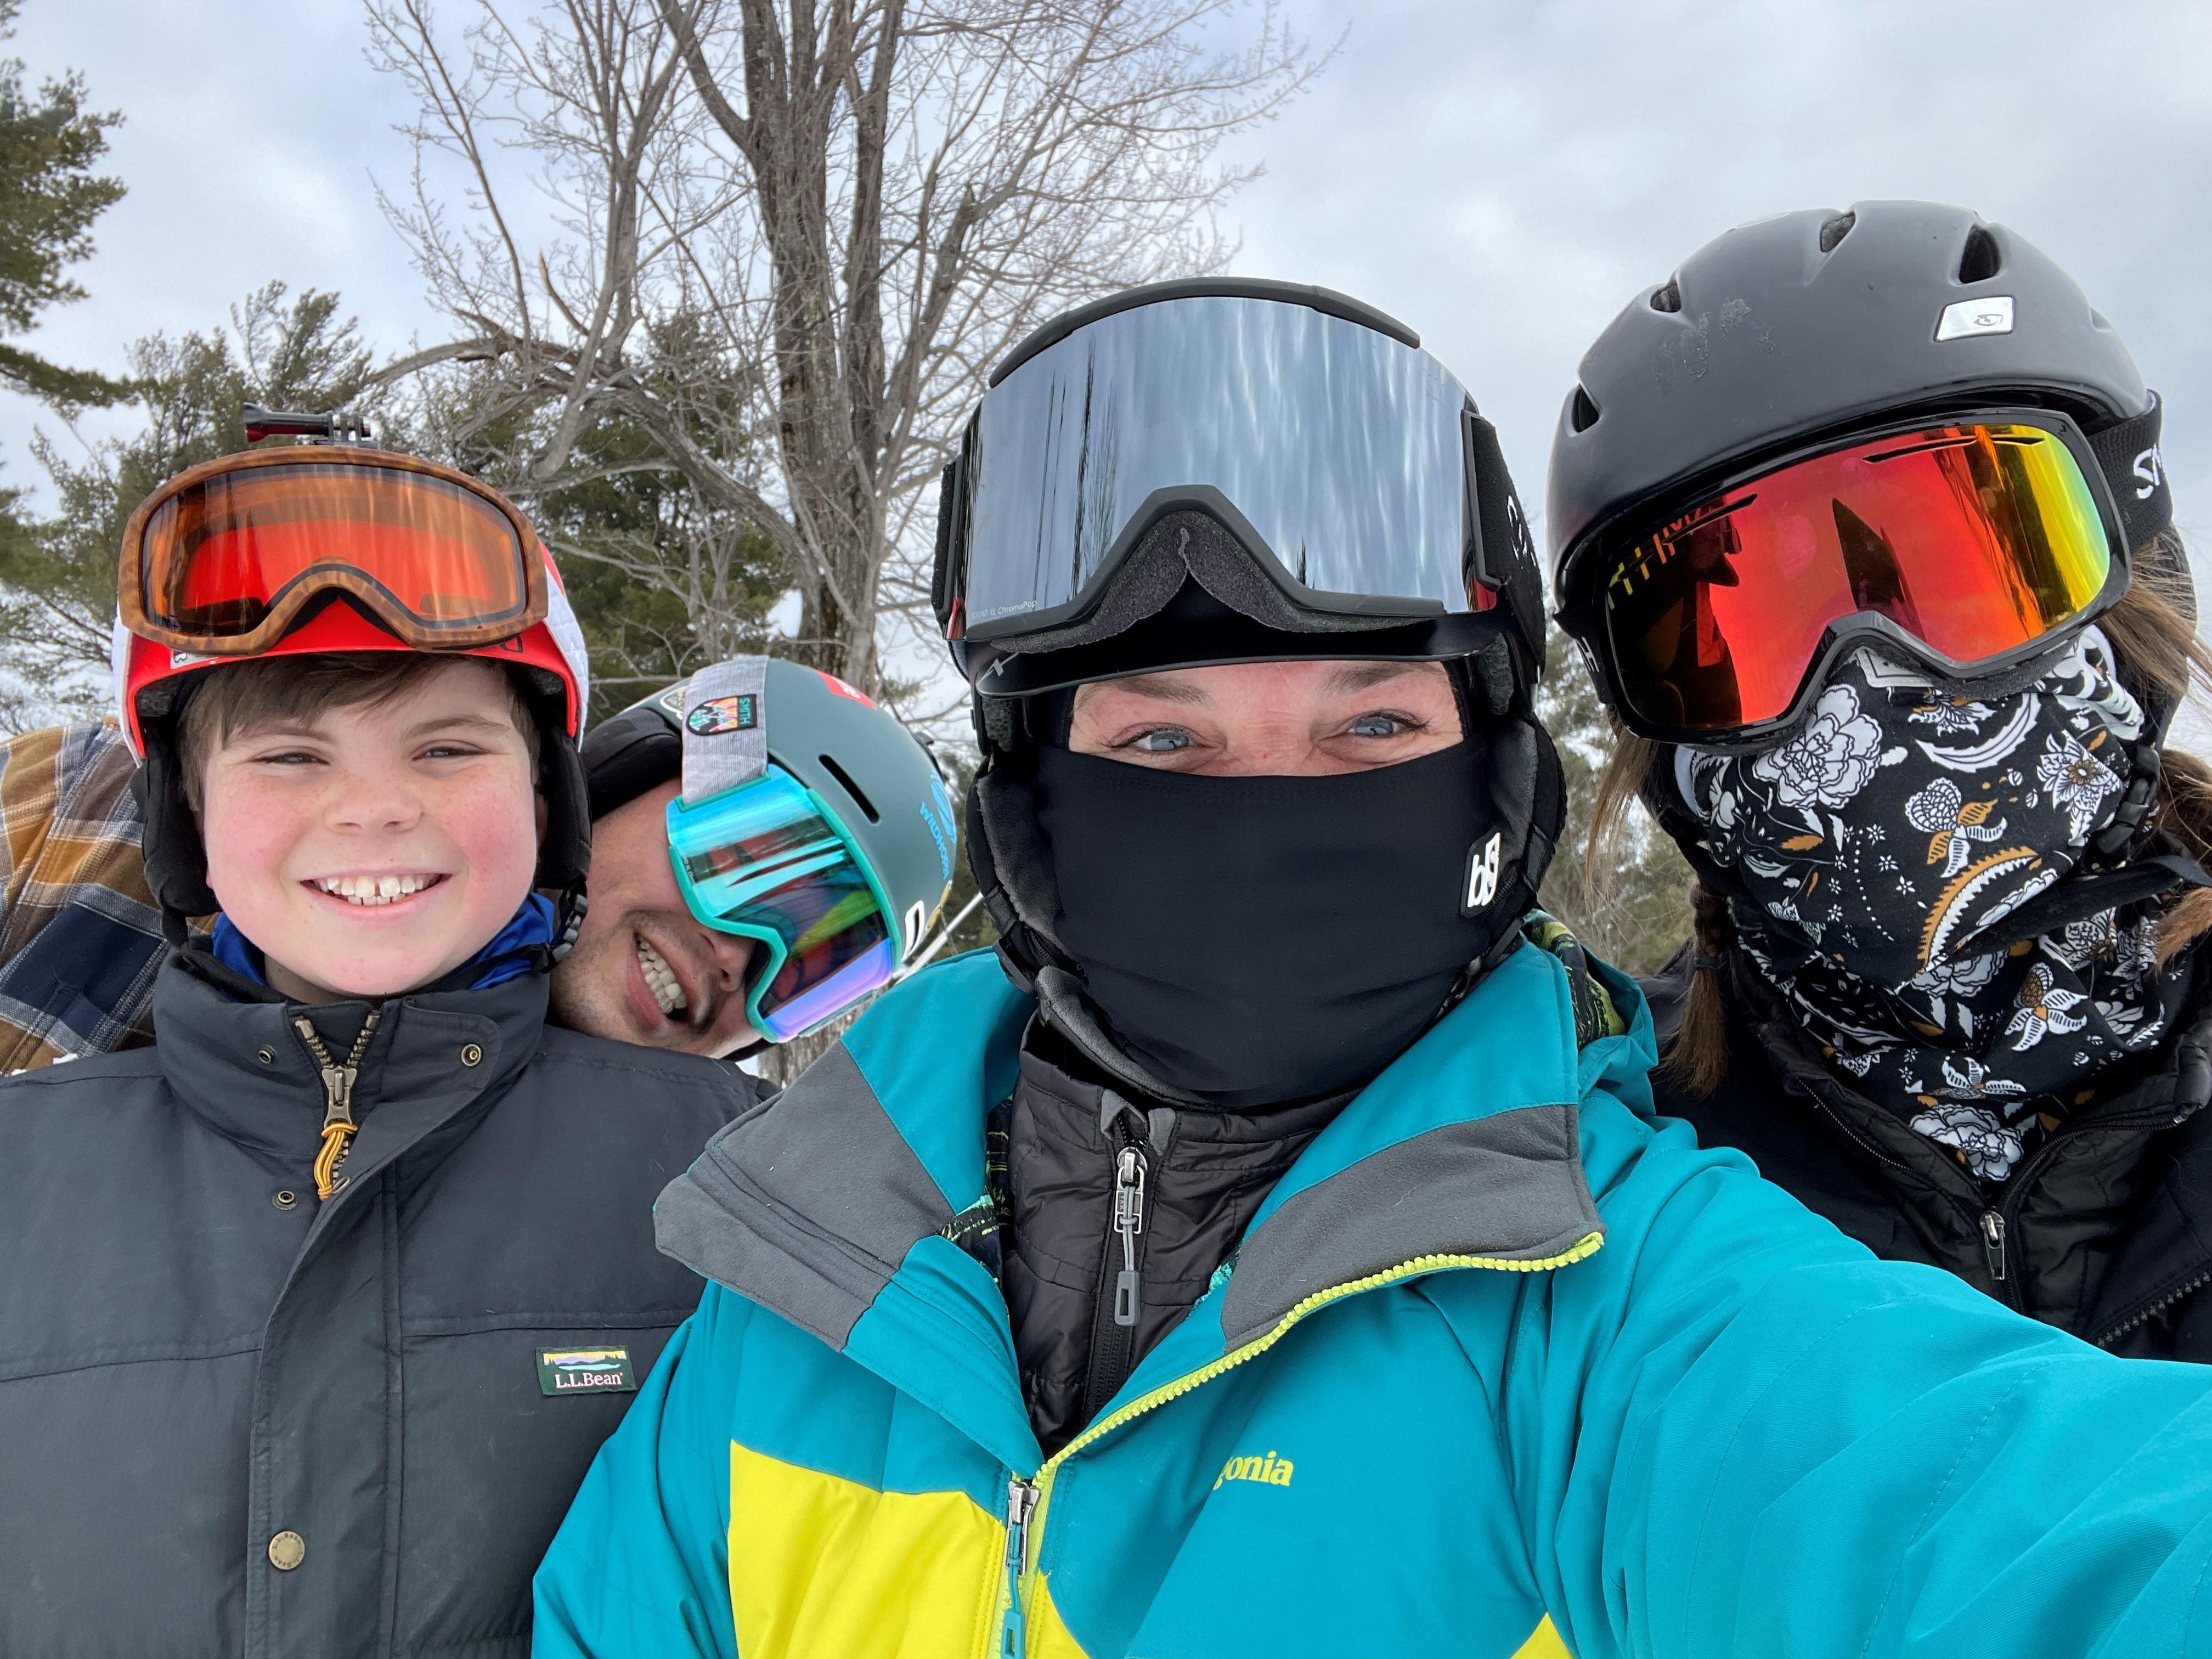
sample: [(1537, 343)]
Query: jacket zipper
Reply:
[(1021, 1504), (338, 1125), (1128, 1223), (1995, 1223), (1120, 1299), (2175, 1295), (1028, 1501)]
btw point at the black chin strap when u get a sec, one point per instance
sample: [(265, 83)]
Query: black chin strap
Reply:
[(2082, 893)]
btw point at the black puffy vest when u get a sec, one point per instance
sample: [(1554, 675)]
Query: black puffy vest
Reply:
[(2105, 1230)]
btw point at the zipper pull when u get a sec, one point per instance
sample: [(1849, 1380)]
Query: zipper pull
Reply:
[(1021, 1504), (337, 1089), (1993, 1245), (1129, 1222), (338, 1125)]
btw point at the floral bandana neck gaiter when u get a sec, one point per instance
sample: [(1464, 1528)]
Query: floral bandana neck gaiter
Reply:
[(1900, 822)]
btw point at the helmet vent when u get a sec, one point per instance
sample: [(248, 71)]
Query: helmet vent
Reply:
[(1582, 413), (1981, 260), (1669, 298), (1836, 229), (851, 788)]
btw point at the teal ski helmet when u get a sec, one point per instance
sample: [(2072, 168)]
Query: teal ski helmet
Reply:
[(809, 820)]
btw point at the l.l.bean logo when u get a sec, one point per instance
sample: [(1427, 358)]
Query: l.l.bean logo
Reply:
[(585, 1370)]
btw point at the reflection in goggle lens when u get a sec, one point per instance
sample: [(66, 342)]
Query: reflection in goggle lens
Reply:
[(767, 861), (1973, 539)]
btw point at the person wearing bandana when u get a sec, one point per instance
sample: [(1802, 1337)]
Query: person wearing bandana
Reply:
[(1862, 522), (1270, 1250)]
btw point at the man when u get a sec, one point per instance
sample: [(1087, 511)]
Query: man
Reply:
[(81, 937)]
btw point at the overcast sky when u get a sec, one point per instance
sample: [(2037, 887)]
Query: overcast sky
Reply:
[(1503, 177)]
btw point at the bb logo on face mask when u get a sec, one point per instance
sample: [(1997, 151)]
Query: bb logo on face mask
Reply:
[(1482, 873)]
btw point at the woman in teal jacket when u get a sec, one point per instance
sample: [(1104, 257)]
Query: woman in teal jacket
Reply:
[(1273, 1250)]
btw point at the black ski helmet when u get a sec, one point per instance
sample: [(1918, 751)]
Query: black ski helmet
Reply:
[(1793, 330), (1781, 332), (1157, 544)]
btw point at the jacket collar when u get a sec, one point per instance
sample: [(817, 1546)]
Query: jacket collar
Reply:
[(2168, 1092), (828, 1206), (416, 1076)]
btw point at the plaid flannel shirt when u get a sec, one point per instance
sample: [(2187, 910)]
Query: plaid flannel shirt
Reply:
[(80, 935)]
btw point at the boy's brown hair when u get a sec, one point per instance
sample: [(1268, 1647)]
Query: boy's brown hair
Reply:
[(240, 697)]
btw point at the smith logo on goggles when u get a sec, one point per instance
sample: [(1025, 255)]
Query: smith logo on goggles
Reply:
[(1971, 545), (224, 558)]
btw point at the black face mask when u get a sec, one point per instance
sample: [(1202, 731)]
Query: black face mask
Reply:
[(1253, 941)]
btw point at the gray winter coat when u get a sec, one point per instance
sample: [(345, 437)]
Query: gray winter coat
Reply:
[(234, 1421)]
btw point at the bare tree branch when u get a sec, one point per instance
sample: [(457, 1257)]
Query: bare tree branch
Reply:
[(788, 239)]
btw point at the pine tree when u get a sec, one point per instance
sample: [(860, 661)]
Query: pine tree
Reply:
[(49, 196)]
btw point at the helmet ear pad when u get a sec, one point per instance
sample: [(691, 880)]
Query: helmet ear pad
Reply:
[(564, 846), (176, 858)]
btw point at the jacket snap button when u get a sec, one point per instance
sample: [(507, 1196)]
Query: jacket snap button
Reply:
[(470, 1055), (266, 1056), (284, 1198), (286, 1550)]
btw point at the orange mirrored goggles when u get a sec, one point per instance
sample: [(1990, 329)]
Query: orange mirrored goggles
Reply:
[(224, 558), (1968, 547)]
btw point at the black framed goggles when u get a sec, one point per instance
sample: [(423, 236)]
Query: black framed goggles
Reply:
[(1971, 543), (1347, 464)]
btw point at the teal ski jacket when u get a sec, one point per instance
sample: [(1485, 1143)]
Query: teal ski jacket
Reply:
[(1506, 1366)]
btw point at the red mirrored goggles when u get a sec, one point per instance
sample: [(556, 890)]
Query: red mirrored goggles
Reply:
[(1970, 546), (224, 558)]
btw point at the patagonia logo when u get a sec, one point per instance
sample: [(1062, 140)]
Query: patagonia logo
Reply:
[(1482, 873), (716, 715), (1269, 1471), (585, 1370), (2150, 472)]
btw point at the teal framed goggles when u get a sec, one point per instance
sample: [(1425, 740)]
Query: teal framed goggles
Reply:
[(770, 860)]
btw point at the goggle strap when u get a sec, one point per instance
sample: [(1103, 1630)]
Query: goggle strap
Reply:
[(1504, 554), (2128, 454), (724, 727), (2086, 893)]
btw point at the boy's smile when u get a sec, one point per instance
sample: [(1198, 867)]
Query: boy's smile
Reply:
[(378, 890), (371, 849)]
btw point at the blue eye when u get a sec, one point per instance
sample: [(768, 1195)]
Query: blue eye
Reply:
[(1166, 740), (1376, 726)]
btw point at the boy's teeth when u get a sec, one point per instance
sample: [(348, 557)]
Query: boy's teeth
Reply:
[(660, 980), (373, 890)]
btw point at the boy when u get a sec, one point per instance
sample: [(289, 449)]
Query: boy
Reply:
[(313, 1314)]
